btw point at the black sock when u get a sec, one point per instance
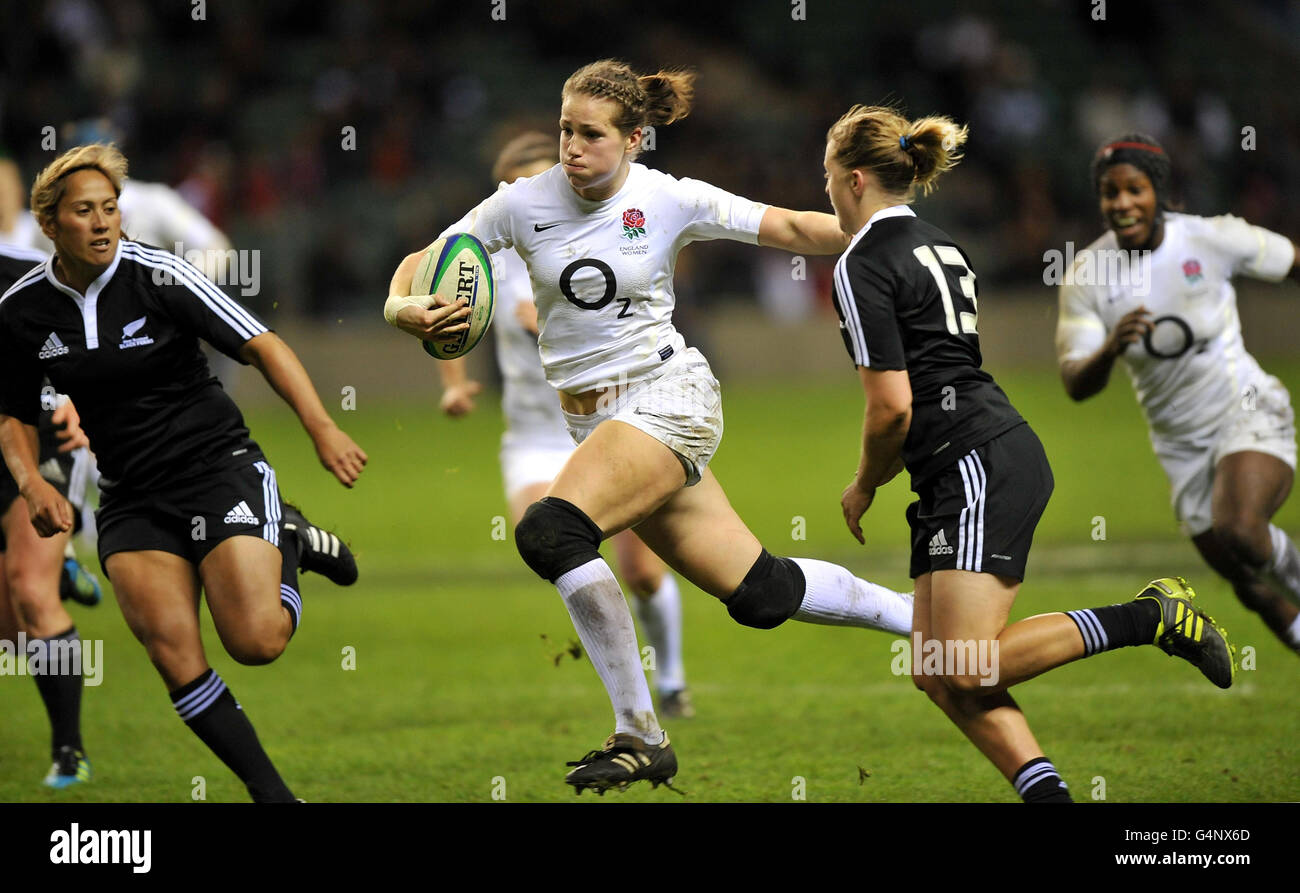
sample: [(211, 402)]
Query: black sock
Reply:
[(1117, 626), (58, 660), (212, 713), (290, 552), (1038, 782)]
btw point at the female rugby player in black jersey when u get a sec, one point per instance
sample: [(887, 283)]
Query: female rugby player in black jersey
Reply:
[(31, 567), (188, 500), (906, 297)]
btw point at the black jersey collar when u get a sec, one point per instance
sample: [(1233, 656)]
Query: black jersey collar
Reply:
[(891, 211)]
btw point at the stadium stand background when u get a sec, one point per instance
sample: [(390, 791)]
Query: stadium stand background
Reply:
[(244, 112)]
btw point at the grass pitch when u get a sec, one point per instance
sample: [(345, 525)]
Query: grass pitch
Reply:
[(463, 689)]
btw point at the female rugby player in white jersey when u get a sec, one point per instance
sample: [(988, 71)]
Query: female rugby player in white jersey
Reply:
[(189, 504), (536, 444), (599, 235), (906, 296), (1223, 429)]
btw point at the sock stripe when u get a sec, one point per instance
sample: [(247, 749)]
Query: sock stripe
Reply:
[(1035, 771), (199, 700), (292, 601), (1032, 775), (1094, 634)]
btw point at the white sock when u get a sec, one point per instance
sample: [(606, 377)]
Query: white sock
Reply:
[(1293, 634), (604, 624), (1283, 569), (837, 598), (661, 618)]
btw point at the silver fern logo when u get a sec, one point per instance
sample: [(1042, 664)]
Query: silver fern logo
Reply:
[(128, 334)]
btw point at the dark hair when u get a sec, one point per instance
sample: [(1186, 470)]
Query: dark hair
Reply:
[(1145, 154)]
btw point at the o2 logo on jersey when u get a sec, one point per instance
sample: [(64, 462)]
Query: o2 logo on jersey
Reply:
[(633, 223), (611, 286), (1170, 337)]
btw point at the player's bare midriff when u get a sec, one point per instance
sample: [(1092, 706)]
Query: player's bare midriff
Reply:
[(589, 401)]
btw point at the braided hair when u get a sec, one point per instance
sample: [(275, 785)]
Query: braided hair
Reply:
[(660, 98)]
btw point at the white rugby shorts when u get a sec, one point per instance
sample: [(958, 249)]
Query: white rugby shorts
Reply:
[(1262, 421), (681, 407), (532, 460)]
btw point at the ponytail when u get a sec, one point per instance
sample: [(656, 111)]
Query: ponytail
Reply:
[(902, 154)]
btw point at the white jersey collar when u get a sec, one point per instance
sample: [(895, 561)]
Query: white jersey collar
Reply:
[(87, 303)]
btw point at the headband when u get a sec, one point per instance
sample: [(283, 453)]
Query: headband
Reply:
[(1145, 147)]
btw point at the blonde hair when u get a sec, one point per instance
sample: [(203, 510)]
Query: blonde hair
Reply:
[(660, 98), (52, 183), (902, 154), (524, 150)]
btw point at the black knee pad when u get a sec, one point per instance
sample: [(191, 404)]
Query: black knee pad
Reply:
[(770, 594), (555, 536)]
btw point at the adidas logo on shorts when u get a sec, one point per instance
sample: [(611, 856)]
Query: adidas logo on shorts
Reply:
[(939, 544), (53, 347), (241, 514)]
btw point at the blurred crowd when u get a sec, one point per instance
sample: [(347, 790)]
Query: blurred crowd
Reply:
[(335, 137)]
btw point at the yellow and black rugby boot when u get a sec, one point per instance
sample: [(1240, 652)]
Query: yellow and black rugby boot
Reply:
[(624, 759), (1188, 633)]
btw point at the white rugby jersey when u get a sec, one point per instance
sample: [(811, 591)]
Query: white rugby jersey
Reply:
[(26, 233), (156, 214), (530, 404), (602, 271), (1193, 368)]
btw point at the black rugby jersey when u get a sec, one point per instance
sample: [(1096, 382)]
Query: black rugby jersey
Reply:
[(127, 353), (16, 261), (906, 298)]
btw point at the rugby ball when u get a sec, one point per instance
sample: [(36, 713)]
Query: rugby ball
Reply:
[(457, 267)]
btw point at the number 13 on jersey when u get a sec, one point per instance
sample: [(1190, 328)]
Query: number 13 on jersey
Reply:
[(935, 259)]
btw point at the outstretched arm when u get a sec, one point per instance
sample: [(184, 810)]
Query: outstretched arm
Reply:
[(803, 232), (279, 365)]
